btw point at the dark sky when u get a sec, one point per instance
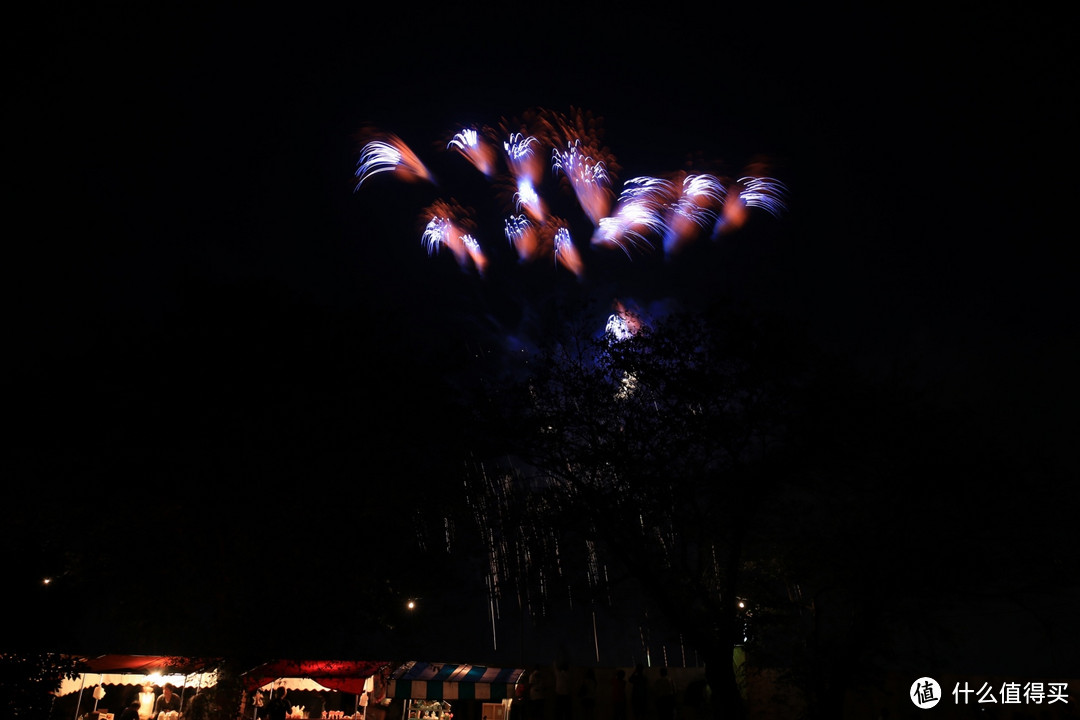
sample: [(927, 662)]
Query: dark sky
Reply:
[(161, 156), (184, 239)]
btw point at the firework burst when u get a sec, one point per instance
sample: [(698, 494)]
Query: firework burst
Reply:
[(389, 154), (450, 226), (566, 253), (666, 211), (588, 179), (523, 235), (641, 214), (474, 146), (695, 209), (746, 193)]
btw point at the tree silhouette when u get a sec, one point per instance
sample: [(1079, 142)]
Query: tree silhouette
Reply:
[(28, 681), (641, 460)]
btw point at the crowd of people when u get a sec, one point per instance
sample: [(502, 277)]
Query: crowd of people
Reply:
[(148, 706)]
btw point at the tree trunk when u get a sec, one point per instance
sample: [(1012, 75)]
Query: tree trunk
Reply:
[(728, 703)]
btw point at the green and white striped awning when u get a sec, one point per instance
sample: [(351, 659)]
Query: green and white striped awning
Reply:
[(435, 681)]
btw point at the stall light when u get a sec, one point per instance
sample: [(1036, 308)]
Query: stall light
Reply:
[(146, 702)]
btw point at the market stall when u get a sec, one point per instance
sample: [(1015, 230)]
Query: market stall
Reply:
[(358, 680), (107, 683), (431, 690)]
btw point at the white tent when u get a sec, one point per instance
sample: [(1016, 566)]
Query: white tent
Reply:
[(152, 671)]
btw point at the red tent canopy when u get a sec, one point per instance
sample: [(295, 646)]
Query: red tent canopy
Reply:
[(143, 664), (345, 675)]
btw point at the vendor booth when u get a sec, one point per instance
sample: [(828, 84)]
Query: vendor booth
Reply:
[(108, 683), (432, 690), (339, 688)]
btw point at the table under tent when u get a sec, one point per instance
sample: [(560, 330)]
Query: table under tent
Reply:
[(443, 691), (106, 684), (340, 688)]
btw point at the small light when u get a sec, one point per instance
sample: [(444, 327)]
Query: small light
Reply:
[(742, 604), (411, 604), (46, 581)]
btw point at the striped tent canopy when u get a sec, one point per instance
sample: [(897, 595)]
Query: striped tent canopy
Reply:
[(141, 670), (446, 681)]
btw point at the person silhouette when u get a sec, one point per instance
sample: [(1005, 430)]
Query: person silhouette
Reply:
[(131, 711), (537, 694), (564, 702), (278, 708), (198, 707), (167, 701), (618, 695), (587, 695), (639, 692), (664, 691)]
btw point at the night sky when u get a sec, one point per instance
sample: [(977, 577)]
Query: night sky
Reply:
[(202, 316)]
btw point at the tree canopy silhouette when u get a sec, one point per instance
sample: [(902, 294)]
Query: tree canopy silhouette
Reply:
[(639, 462)]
